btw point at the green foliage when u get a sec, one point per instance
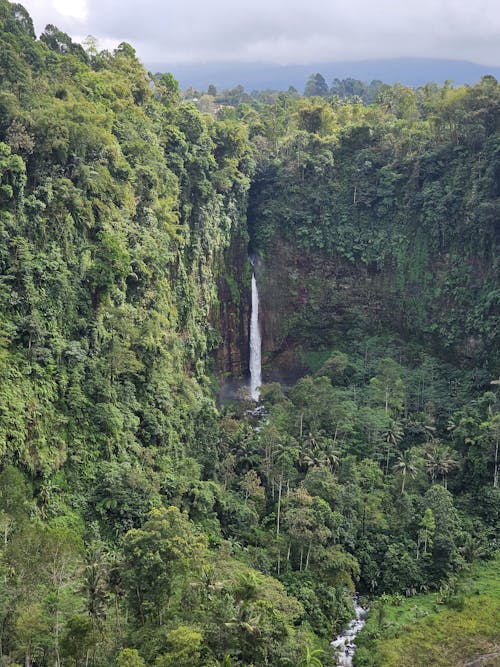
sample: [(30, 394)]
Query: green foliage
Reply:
[(129, 657), (383, 195), (143, 524), (420, 628), (184, 648), (165, 547)]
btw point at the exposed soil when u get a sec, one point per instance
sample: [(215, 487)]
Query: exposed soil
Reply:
[(484, 660)]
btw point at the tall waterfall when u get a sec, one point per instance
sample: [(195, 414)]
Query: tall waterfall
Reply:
[(255, 343)]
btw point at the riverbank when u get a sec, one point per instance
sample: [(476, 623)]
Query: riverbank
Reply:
[(456, 628)]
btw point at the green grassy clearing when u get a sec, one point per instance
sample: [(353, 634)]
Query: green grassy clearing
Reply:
[(424, 631)]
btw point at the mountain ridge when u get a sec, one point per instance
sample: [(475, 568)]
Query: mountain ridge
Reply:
[(261, 76)]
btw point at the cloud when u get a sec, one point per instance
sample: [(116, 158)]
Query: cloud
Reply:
[(283, 31)]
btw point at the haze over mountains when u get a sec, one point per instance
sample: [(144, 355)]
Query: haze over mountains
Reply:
[(261, 76)]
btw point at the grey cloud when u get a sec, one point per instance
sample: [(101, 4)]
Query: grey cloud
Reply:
[(293, 31)]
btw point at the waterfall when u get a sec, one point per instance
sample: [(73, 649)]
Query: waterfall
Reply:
[(255, 342)]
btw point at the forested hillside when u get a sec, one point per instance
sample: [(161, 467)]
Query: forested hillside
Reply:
[(145, 523), (387, 211)]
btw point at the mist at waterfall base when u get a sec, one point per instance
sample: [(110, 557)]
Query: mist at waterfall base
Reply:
[(255, 342)]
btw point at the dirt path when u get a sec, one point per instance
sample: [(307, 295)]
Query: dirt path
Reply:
[(490, 659)]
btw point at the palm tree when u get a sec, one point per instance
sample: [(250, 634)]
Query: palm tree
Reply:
[(472, 549), (439, 461), (246, 589), (320, 453), (331, 457), (406, 465), (392, 436), (95, 588), (247, 627), (310, 458), (421, 425)]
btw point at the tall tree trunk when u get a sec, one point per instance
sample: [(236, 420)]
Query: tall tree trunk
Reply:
[(308, 555), (278, 513), (495, 469), (278, 518), (56, 639), (117, 613)]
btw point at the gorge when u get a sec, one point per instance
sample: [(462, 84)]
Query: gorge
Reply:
[(145, 522)]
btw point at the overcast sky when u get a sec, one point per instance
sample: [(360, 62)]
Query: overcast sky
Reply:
[(282, 31)]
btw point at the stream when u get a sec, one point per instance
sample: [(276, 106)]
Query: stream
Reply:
[(344, 642)]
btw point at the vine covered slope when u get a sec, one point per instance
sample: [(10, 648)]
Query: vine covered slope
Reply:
[(145, 522)]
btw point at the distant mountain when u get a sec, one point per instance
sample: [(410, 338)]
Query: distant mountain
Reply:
[(259, 76)]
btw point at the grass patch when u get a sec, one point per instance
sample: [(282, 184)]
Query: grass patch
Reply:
[(422, 631)]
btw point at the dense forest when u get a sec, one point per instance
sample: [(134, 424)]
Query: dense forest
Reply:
[(144, 520)]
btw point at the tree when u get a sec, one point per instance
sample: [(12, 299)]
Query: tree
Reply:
[(14, 500), (439, 461), (32, 631), (427, 528), (77, 640), (167, 88), (316, 86), (490, 436), (129, 657), (125, 50), (46, 562), (406, 466), (448, 527), (305, 520), (282, 470), (392, 436), (62, 43), (387, 386), (166, 547), (183, 645), (95, 587)]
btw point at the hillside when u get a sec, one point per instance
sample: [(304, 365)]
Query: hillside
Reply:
[(456, 626), (146, 521)]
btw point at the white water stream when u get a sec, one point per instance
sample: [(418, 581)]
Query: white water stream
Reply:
[(255, 343), (344, 643)]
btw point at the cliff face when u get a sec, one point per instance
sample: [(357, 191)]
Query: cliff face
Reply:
[(311, 301), (233, 310), (364, 228)]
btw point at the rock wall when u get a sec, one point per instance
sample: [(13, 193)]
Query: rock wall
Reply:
[(233, 315)]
